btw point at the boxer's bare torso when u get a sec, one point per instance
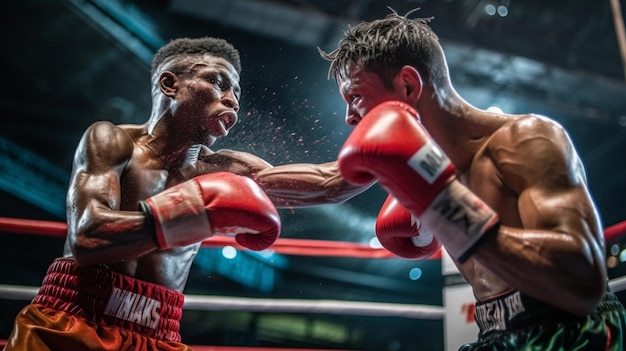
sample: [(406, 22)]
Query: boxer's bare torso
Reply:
[(108, 184), (549, 244), (526, 166)]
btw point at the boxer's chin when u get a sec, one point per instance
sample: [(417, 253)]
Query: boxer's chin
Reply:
[(222, 129), (217, 129), (211, 140)]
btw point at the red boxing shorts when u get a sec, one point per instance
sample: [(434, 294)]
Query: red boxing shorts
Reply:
[(95, 308)]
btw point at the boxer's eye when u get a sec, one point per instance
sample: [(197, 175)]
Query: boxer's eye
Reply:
[(215, 81)]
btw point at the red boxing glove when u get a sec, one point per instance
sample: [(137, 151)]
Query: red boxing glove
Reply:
[(389, 144), (217, 203), (399, 232)]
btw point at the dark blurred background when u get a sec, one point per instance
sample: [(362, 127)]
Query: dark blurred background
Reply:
[(68, 63)]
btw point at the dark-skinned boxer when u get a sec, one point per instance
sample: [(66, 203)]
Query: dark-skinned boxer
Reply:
[(141, 200)]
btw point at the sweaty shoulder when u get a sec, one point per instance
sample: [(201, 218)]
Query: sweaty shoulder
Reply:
[(532, 148), (529, 125), (106, 144)]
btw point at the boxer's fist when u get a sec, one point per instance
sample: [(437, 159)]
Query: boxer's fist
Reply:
[(399, 232), (217, 203), (391, 145)]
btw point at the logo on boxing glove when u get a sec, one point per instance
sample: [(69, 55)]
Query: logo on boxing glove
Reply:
[(429, 161)]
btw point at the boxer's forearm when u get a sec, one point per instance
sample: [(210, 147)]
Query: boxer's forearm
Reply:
[(553, 267), (302, 185), (106, 237)]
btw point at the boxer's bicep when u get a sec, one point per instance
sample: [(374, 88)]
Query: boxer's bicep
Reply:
[(553, 244), (538, 162), (546, 173), (94, 186), (100, 159), (562, 225), (554, 198), (569, 219)]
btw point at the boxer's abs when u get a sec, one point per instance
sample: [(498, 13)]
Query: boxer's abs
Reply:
[(484, 284), (168, 268)]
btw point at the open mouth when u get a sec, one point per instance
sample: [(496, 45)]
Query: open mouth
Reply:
[(227, 120)]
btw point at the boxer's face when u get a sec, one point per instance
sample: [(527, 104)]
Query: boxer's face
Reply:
[(209, 95), (362, 90)]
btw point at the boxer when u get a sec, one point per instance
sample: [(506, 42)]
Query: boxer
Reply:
[(506, 195), (142, 198)]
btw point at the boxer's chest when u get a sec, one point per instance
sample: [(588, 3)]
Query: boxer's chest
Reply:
[(139, 183)]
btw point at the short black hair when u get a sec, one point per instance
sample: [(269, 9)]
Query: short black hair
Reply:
[(197, 46), (386, 45)]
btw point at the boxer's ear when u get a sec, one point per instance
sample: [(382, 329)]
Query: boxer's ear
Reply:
[(409, 80), (168, 83)]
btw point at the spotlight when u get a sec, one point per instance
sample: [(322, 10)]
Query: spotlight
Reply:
[(503, 11), (490, 9), (415, 273), (229, 252)]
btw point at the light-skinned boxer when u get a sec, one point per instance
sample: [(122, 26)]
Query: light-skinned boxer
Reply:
[(506, 195)]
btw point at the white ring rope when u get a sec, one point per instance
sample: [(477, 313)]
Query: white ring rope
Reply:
[(214, 303), (17, 292), (223, 303), (618, 284)]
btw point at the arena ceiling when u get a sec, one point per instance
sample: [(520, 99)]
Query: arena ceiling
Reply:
[(68, 63)]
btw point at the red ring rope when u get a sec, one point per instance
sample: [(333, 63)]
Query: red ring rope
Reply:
[(615, 231), (287, 246)]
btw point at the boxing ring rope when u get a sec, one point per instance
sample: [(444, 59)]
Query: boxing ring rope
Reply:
[(285, 246), (225, 303)]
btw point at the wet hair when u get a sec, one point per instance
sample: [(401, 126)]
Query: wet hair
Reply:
[(197, 46), (385, 45)]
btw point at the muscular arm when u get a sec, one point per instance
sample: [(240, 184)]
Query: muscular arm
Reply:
[(558, 254), (98, 231), (290, 185), (301, 185)]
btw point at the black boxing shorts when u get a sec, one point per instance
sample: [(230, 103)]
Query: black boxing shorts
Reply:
[(514, 321)]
